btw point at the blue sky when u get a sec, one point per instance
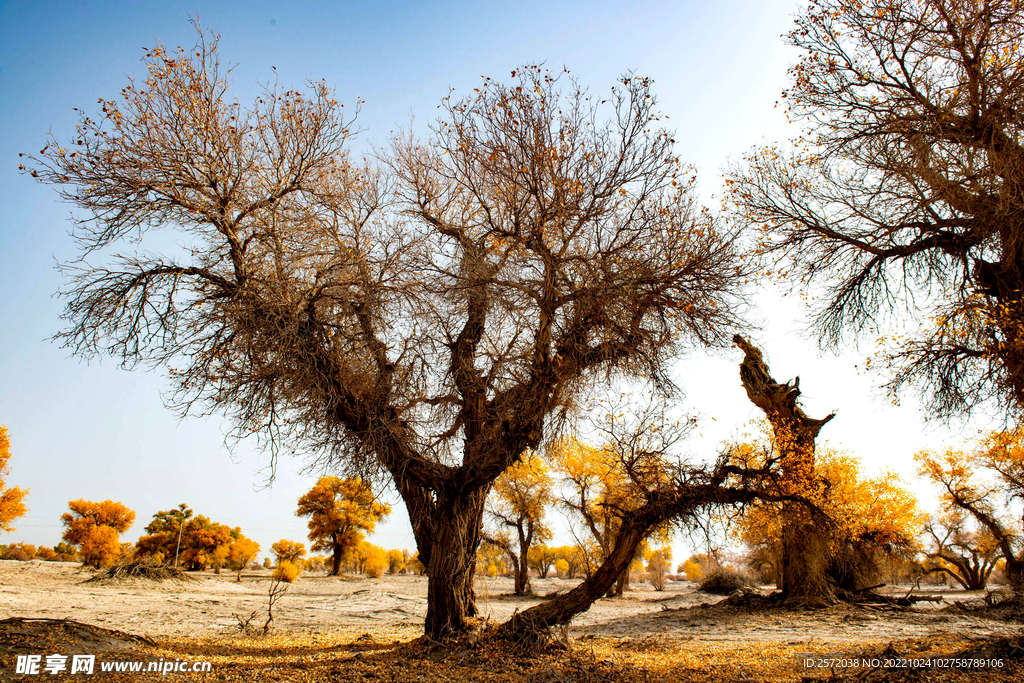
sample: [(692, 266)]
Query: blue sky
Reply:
[(96, 432)]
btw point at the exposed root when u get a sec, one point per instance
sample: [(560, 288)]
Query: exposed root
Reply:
[(868, 596)]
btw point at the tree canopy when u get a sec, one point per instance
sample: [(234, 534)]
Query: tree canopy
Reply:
[(903, 197), (95, 527)]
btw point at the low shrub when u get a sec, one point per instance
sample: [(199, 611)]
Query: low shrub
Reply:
[(45, 553), (19, 551)]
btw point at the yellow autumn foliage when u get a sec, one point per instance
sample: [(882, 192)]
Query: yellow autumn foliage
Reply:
[(12, 499), (286, 571), (877, 511), (95, 527)]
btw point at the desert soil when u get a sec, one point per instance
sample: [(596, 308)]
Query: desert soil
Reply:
[(391, 610)]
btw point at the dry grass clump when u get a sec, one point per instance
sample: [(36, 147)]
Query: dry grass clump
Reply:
[(725, 581), (149, 571)]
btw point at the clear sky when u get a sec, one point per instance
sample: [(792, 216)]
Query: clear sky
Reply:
[(98, 432)]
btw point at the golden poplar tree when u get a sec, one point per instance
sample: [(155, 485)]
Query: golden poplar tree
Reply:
[(243, 551), (95, 528), (12, 499), (867, 518), (981, 483), (340, 512), (517, 506)]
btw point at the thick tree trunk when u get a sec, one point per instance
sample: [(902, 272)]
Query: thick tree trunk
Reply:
[(336, 554), (1015, 576), (805, 541), (451, 565), (619, 587), (805, 557), (522, 572), (522, 578)]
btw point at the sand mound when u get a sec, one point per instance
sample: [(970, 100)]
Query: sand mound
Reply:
[(20, 636)]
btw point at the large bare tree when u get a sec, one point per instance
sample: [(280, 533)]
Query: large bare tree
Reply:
[(419, 321), (905, 194)]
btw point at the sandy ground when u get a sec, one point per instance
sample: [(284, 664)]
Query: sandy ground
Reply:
[(396, 605)]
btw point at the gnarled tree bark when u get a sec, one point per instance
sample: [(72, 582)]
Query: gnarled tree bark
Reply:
[(805, 542)]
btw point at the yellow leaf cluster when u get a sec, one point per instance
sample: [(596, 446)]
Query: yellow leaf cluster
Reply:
[(95, 528), (12, 499)]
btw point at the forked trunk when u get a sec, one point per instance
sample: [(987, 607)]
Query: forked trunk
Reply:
[(451, 565)]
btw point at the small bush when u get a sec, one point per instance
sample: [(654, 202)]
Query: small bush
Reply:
[(692, 570), (19, 551), (286, 571), (725, 581), (375, 561), (44, 553)]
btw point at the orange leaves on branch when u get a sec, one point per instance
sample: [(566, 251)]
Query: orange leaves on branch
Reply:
[(517, 505), (981, 484), (208, 543), (286, 571), (12, 499), (243, 551), (374, 559), (196, 542), (522, 493), (601, 485), (100, 546)]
